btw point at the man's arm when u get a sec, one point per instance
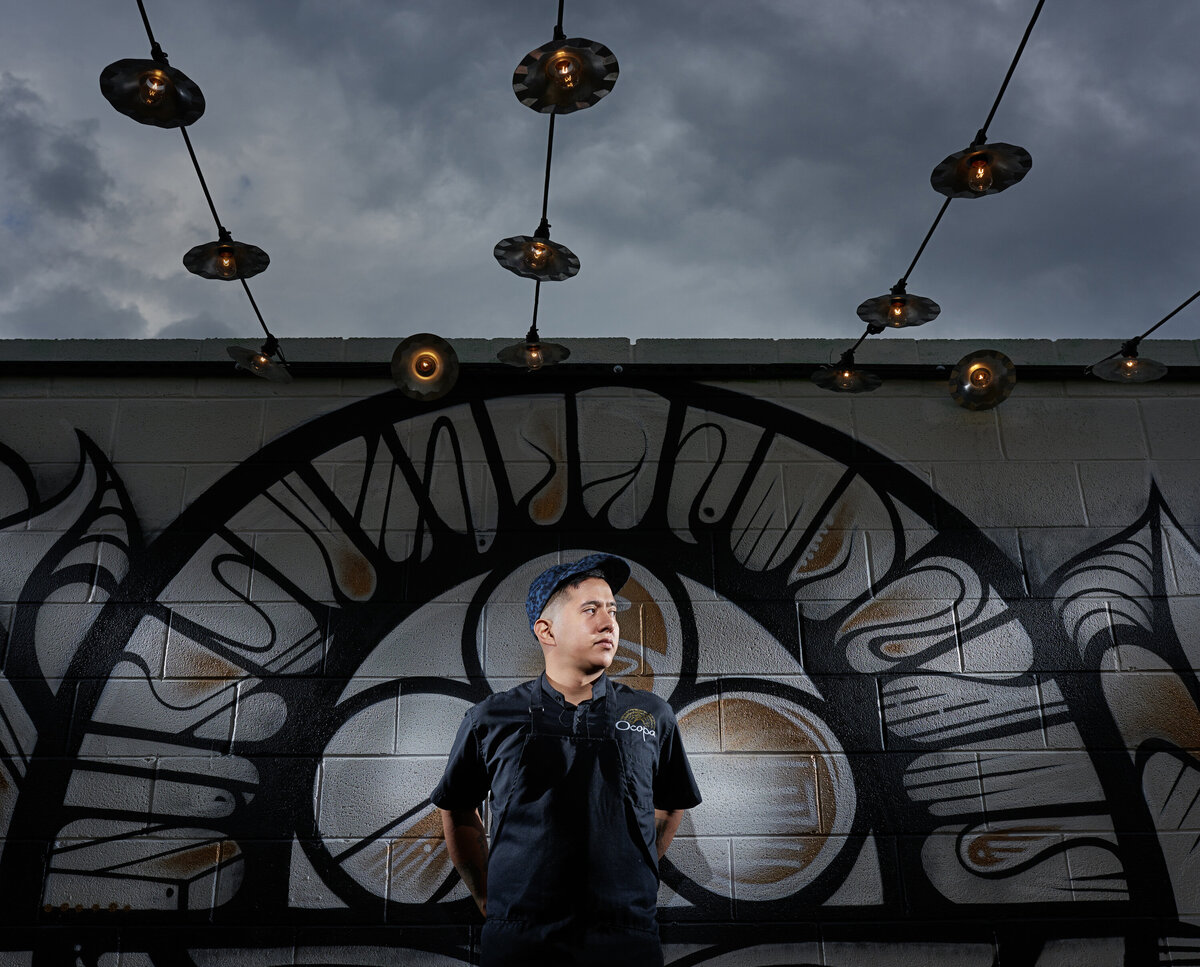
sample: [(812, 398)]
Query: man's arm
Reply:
[(467, 844), (666, 821)]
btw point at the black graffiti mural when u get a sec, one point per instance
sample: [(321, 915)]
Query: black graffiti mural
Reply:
[(218, 746)]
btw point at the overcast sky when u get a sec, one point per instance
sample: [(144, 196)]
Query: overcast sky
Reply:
[(760, 168)]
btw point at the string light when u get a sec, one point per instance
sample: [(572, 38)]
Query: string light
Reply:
[(267, 362), (533, 354), (982, 380), (898, 309), (425, 367), (560, 77), (565, 75), (537, 257), (226, 259), (981, 169), (1131, 368), (846, 377), (153, 92), (1126, 366)]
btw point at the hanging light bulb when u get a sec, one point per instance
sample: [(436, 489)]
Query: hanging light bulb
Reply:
[(262, 362), (153, 87), (537, 257), (226, 259), (226, 262), (898, 309), (565, 75), (982, 379), (982, 169), (152, 92), (1129, 367), (425, 366), (845, 377), (537, 254), (980, 376), (564, 69), (533, 354), (979, 173)]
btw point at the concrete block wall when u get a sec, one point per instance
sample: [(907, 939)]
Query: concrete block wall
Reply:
[(935, 669)]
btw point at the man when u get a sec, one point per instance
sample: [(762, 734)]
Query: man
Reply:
[(589, 782)]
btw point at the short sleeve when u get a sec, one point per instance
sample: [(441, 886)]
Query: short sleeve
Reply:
[(464, 784), (674, 785)]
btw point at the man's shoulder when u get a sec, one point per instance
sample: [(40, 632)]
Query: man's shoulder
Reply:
[(501, 704)]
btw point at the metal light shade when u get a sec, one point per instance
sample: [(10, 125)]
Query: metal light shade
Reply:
[(226, 259), (152, 93), (1130, 369), (898, 310), (982, 169), (260, 362), (533, 353), (565, 75), (845, 377), (982, 380), (425, 366), (534, 257)]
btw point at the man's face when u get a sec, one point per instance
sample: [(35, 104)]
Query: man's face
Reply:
[(583, 625)]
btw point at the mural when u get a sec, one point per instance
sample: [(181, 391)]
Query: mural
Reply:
[(217, 747)]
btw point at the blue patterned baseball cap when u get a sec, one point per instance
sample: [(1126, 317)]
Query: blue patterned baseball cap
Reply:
[(615, 571)]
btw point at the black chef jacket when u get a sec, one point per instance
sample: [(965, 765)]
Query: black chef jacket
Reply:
[(574, 790)]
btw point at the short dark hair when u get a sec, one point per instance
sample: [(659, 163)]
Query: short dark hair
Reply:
[(573, 582)]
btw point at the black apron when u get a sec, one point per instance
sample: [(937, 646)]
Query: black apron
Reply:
[(573, 872)]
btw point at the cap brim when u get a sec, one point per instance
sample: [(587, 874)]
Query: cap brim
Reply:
[(615, 571)]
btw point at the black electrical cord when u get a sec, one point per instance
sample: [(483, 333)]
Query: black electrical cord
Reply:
[(1129, 347), (980, 138), (982, 135), (157, 53), (543, 229), (928, 235)]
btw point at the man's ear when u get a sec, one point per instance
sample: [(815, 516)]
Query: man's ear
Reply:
[(544, 632)]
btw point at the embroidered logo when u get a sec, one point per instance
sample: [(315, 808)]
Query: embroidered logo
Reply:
[(638, 720)]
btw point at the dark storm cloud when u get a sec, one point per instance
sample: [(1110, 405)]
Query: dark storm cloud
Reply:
[(759, 169), (73, 310), (48, 166)]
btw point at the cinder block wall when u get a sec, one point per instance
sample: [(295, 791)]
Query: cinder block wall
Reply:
[(935, 668)]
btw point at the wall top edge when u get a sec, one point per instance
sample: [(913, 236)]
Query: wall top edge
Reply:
[(880, 350)]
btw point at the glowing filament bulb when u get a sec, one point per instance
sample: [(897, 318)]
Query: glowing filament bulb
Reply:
[(980, 376), (979, 173), (537, 254), (533, 357), (425, 365), (564, 70), (896, 311), (152, 87), (260, 362), (226, 263)]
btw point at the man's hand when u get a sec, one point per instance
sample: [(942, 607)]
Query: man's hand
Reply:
[(466, 842), (666, 821)]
